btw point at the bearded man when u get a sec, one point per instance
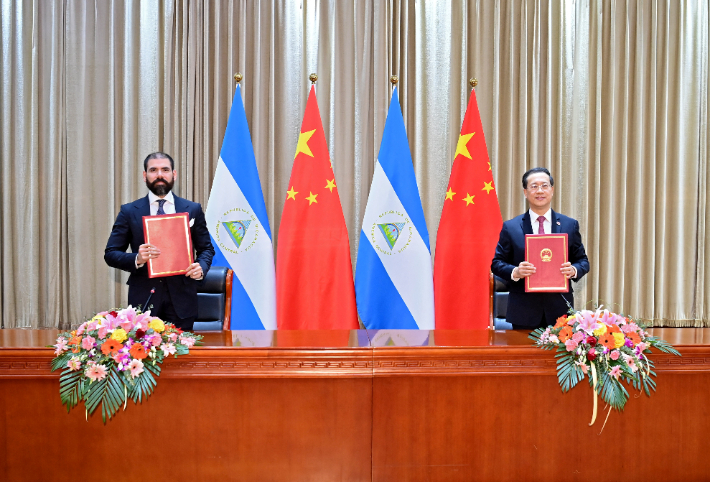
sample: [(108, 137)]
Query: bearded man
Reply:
[(175, 297)]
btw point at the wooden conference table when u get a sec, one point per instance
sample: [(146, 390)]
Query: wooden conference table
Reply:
[(358, 406)]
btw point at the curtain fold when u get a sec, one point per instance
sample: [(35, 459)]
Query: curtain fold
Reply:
[(611, 96)]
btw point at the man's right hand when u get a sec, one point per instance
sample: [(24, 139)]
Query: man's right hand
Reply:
[(146, 252), (524, 270)]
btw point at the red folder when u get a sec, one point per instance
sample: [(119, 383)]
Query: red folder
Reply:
[(170, 233), (547, 252)]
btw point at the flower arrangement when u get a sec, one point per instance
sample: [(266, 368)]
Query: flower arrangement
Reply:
[(115, 356), (608, 348)]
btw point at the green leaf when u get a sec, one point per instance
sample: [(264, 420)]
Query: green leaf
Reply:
[(69, 388), (108, 392), (61, 360)]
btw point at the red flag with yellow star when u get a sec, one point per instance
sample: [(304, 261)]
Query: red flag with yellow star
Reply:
[(468, 232), (314, 274)]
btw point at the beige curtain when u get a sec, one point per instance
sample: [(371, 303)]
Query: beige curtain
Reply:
[(610, 95)]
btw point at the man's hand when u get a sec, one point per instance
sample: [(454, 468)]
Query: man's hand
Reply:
[(194, 271), (568, 270), (524, 270), (146, 252)]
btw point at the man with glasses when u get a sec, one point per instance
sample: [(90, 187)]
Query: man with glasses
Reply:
[(527, 311)]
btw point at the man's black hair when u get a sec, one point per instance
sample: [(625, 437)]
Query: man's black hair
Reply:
[(158, 155), (536, 170)]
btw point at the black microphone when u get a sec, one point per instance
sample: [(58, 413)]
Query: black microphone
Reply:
[(148, 300)]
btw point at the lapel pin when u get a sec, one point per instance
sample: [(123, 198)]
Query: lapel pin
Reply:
[(558, 223)]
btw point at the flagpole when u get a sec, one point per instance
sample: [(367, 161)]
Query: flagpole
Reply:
[(238, 77), (473, 82), (313, 78)]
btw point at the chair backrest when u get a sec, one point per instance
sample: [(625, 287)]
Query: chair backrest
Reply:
[(214, 300), (498, 304)]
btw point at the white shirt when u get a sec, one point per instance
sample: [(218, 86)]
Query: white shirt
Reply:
[(546, 226), (168, 206)]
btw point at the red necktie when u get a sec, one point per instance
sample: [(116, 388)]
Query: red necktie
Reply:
[(541, 222)]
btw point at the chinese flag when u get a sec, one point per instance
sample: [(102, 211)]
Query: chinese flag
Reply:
[(314, 275), (468, 232)]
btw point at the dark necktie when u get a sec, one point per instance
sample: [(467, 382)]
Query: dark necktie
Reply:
[(160, 206), (541, 223)]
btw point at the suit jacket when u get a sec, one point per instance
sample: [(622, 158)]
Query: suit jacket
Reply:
[(527, 309), (128, 231)]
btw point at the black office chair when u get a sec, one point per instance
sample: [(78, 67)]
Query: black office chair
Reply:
[(498, 304), (214, 300)]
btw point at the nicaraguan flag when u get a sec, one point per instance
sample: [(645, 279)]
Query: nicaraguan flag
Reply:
[(393, 280), (239, 227)]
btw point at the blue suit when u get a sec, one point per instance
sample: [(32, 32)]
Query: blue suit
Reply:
[(528, 309), (178, 291)]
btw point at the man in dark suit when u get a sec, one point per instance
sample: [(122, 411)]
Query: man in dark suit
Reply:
[(532, 310), (175, 297)]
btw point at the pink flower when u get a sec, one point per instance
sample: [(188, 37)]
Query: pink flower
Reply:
[(80, 330), (74, 364), (173, 337), (168, 349), (571, 344), (630, 328), (188, 341), (88, 342), (631, 362), (578, 337), (157, 340), (61, 346), (615, 372), (136, 368), (142, 321), (614, 355), (103, 332), (641, 346), (587, 321), (96, 372), (583, 366), (91, 326)]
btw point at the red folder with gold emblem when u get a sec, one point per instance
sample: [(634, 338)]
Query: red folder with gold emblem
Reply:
[(547, 252), (170, 233)]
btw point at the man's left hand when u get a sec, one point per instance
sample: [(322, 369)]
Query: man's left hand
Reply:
[(568, 270), (194, 271)]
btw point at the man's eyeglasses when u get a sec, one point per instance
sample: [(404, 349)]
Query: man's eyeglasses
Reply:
[(535, 187)]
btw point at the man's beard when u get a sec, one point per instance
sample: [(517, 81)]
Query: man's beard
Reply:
[(160, 187)]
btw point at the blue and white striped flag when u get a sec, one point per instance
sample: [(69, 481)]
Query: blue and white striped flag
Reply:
[(394, 286), (239, 227)]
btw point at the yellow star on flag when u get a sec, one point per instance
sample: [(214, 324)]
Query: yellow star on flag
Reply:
[(461, 146), (468, 199), (488, 187), (291, 194), (302, 146), (450, 195), (330, 184), (489, 166), (312, 198)]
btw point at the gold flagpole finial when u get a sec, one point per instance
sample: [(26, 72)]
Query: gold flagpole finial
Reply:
[(473, 82), (394, 79), (238, 77), (313, 78)]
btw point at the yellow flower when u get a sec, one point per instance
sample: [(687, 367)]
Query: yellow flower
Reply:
[(157, 325), (119, 335), (618, 339), (600, 331)]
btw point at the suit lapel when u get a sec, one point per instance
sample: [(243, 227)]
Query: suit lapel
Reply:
[(527, 225), (553, 222), (180, 204)]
